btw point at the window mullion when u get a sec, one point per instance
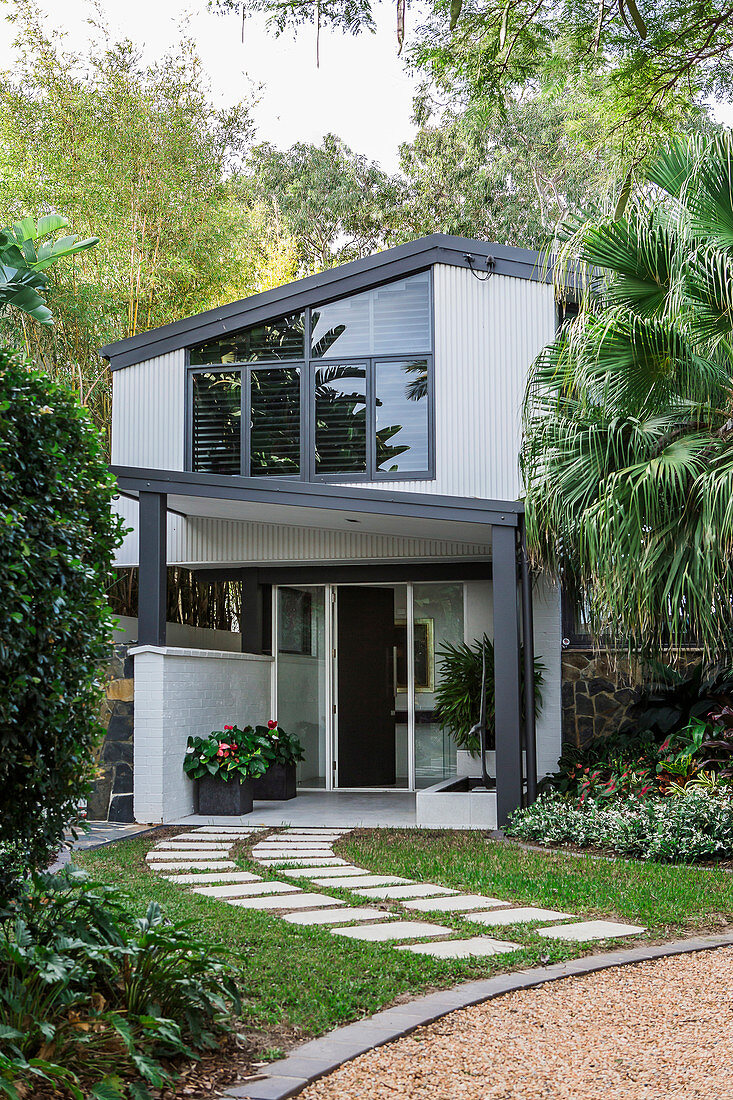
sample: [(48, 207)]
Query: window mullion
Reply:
[(246, 417), (371, 421)]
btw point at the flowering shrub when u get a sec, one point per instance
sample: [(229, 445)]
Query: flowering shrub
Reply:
[(696, 825), (246, 753), (234, 754)]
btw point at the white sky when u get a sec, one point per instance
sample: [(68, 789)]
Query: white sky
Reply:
[(361, 92)]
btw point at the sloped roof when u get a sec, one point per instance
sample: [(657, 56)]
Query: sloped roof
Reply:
[(337, 282)]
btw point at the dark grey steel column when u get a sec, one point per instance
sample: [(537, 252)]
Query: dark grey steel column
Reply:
[(152, 593), (251, 620), (506, 672), (530, 733)]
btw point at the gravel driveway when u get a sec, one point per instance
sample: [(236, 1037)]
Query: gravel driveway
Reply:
[(654, 1030)]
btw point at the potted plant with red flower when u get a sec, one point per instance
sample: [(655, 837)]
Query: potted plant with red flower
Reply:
[(282, 751), (225, 767)]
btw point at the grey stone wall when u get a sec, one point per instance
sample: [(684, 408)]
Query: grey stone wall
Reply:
[(111, 798), (597, 692)]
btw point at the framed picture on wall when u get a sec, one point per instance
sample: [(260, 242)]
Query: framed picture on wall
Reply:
[(295, 621), (424, 655)]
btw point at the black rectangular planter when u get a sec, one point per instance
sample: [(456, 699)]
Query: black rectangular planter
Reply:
[(227, 799), (277, 784)]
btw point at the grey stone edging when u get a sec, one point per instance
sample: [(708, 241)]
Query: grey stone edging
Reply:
[(289, 1076)]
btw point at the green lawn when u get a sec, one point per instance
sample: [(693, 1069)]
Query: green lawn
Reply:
[(299, 982)]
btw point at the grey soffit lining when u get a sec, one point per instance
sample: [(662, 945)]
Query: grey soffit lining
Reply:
[(350, 278), (300, 494)]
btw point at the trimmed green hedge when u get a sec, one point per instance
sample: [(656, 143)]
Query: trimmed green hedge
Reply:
[(57, 537)]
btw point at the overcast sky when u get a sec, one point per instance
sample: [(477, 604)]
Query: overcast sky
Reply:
[(360, 92)]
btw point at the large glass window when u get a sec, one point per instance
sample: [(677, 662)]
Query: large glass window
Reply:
[(438, 622), (301, 676), (274, 433), (401, 403), (341, 419), (389, 320), (279, 339), (217, 422)]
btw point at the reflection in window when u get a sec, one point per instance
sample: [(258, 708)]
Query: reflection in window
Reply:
[(389, 320), (217, 422), (274, 446), (401, 398), (341, 419), (280, 339)]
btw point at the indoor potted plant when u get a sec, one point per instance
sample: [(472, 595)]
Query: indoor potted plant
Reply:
[(282, 751), (225, 766)]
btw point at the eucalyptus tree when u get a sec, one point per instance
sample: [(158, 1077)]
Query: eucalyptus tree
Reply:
[(627, 454)]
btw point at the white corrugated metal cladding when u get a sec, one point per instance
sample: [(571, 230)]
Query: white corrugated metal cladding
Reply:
[(487, 333)]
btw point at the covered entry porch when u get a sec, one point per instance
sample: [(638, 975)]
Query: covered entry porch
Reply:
[(494, 526)]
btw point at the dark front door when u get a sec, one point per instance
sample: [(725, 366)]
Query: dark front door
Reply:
[(365, 698)]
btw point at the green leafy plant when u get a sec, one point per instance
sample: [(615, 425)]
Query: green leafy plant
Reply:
[(281, 747), (91, 998), (57, 538), (458, 691), (237, 754), (26, 253)]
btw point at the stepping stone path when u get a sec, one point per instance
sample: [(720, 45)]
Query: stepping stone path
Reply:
[(307, 854)]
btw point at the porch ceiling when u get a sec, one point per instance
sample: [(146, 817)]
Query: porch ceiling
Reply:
[(325, 507)]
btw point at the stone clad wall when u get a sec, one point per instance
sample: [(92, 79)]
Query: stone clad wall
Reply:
[(111, 798), (597, 691)]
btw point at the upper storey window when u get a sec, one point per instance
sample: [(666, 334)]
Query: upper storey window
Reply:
[(389, 320), (341, 390)]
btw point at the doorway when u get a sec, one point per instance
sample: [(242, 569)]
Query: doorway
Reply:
[(355, 678)]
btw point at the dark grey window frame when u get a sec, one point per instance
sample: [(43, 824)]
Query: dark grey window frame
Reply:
[(308, 365)]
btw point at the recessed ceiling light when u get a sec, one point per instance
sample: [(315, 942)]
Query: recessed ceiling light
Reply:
[(351, 520)]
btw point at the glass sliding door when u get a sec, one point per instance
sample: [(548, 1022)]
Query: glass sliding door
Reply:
[(438, 620), (302, 676)]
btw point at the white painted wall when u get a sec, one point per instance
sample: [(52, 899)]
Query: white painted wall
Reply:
[(182, 692)]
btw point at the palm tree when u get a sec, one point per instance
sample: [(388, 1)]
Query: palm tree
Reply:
[(627, 453)]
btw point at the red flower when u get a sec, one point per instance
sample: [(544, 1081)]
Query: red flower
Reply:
[(272, 725), (227, 728)]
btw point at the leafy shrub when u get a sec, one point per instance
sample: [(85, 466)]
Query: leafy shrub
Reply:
[(697, 825), (670, 699), (57, 537), (458, 691), (246, 753), (281, 747), (91, 998)]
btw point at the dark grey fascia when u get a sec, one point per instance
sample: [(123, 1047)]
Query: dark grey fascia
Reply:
[(342, 498), (350, 278)]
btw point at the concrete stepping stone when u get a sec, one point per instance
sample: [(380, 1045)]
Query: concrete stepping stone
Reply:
[(208, 838), (336, 916), (456, 904), (173, 853), (188, 846), (230, 830), (333, 873), (461, 949), (219, 876), (591, 930), (289, 901), (416, 890), (400, 930), (179, 865), (297, 853), (246, 889), (361, 880), (302, 861), (517, 916)]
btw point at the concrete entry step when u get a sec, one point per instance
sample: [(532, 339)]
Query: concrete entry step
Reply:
[(337, 916), (400, 930), (287, 901), (461, 949)]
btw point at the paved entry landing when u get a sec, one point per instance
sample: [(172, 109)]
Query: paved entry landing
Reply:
[(338, 809)]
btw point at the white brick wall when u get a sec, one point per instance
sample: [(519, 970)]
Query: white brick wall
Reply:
[(182, 692)]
